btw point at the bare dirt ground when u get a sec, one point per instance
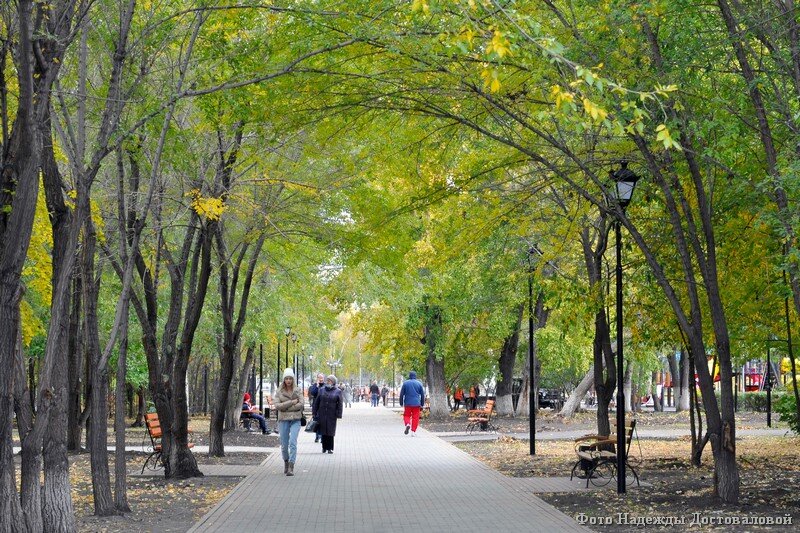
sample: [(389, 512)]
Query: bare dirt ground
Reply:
[(769, 469), (186, 501)]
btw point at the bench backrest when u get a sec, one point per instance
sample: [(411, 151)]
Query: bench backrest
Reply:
[(487, 410), (153, 425), (629, 437)]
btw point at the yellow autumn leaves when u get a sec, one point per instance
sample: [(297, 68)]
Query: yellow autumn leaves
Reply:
[(207, 207)]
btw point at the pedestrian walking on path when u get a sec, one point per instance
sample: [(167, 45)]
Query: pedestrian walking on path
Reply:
[(348, 395), (384, 393), (326, 410), (313, 390), (412, 398), (374, 392), (289, 402)]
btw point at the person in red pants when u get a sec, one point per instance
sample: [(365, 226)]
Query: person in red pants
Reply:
[(412, 398)]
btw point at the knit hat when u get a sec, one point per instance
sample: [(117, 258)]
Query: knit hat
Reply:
[(288, 373), (332, 378), (247, 396), (412, 375)]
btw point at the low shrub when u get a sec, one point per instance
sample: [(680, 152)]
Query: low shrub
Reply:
[(786, 406)]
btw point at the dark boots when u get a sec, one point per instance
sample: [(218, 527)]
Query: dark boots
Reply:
[(286, 467), (290, 469)]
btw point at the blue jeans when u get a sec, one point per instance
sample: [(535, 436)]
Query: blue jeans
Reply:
[(289, 431), (374, 400), (262, 422)]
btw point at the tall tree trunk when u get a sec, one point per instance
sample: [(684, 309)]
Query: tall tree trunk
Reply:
[(508, 356), (685, 378), (228, 398), (57, 508), (75, 369), (30, 486), (657, 406), (98, 398), (628, 388), (434, 362), (237, 393), (675, 374), (233, 397), (141, 407), (603, 360), (120, 463), (540, 316), (577, 395), (19, 188)]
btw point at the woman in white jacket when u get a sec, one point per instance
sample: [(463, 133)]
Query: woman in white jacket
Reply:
[(289, 402)]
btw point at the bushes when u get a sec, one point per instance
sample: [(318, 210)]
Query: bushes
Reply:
[(786, 407), (757, 401)]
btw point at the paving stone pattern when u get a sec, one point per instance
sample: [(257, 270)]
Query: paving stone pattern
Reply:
[(380, 479)]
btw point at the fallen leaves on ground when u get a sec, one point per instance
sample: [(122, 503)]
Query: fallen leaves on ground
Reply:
[(769, 468), (187, 500)]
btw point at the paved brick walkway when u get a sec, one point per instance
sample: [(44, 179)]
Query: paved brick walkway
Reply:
[(380, 479)]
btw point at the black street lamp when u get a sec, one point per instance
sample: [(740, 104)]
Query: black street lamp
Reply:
[(334, 365), (768, 379), (625, 182), (205, 390), (288, 332), (261, 377), (252, 387), (294, 357), (533, 254), (278, 367), (768, 388)]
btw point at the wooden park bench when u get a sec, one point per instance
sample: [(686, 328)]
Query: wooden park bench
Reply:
[(481, 418), (425, 409), (155, 458), (597, 458)]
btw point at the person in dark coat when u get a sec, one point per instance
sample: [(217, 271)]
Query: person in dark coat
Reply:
[(326, 410), (374, 393), (313, 390)]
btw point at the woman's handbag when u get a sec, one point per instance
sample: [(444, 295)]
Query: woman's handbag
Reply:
[(303, 420), (311, 427)]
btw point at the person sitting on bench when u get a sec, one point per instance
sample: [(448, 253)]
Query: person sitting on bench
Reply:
[(249, 412)]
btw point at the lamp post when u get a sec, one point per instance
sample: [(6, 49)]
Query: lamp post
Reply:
[(261, 377), (532, 253), (288, 332), (205, 390), (252, 386), (278, 367), (625, 182), (334, 365), (768, 387), (394, 382), (294, 357)]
